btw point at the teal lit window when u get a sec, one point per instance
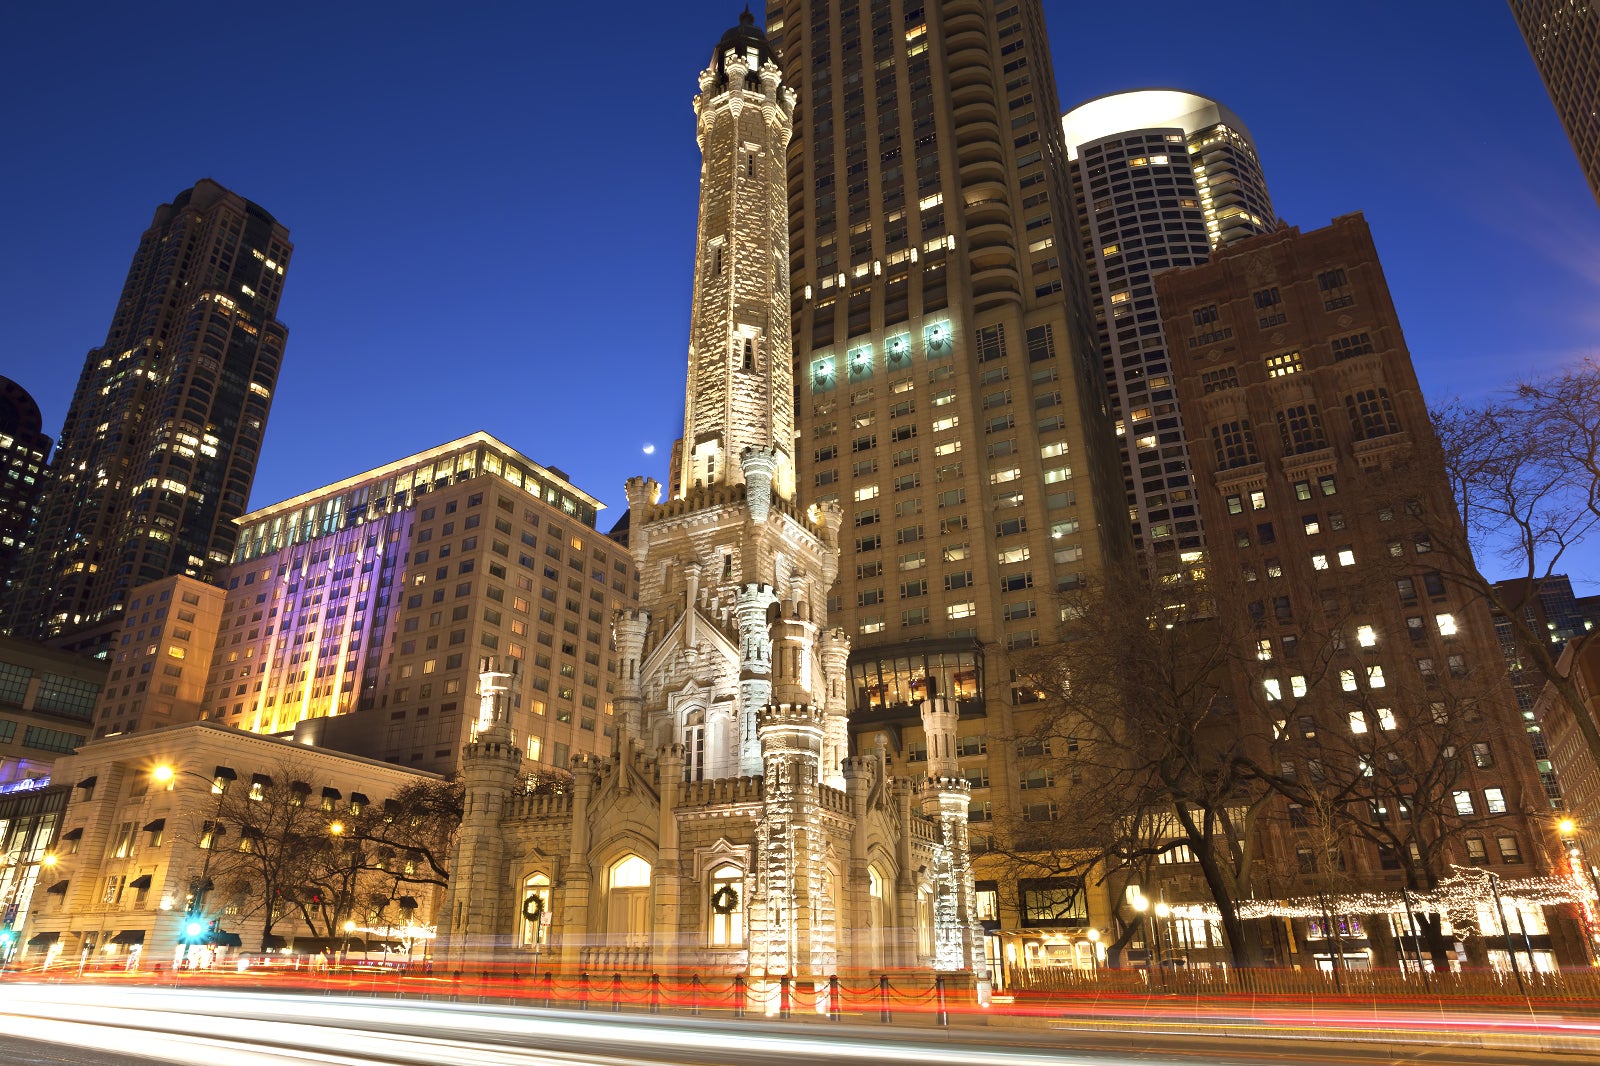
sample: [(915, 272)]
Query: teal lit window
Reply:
[(860, 363), (936, 338), (897, 351), (822, 374)]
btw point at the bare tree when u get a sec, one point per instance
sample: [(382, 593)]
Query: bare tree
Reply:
[(1525, 469), (1138, 706)]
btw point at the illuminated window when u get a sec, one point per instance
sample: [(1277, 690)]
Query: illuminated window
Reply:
[(1358, 722), (1366, 636), (1282, 365), (536, 910), (726, 905), (1446, 624)]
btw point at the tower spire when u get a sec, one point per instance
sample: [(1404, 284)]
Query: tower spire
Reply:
[(739, 395)]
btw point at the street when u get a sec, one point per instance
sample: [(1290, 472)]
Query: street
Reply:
[(100, 1026)]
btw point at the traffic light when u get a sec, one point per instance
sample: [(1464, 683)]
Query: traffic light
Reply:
[(192, 932), (6, 936)]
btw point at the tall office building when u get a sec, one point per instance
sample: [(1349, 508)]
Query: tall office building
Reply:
[(1320, 481), (1160, 180), (353, 616), (24, 451), (1564, 37), (949, 394), (160, 444)]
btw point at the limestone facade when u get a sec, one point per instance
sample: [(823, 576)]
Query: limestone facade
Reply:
[(729, 830)]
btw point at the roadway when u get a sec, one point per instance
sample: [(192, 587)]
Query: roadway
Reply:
[(99, 1025)]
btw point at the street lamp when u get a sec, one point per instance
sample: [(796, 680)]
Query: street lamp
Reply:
[(1580, 856), (1094, 948), (193, 925)]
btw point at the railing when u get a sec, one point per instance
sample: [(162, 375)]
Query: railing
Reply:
[(1385, 986)]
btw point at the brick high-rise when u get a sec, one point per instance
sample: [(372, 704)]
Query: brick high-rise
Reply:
[(1331, 525), (949, 392), (160, 444), (1564, 37)]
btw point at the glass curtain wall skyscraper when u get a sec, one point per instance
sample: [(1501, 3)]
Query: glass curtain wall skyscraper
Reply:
[(1160, 180), (160, 443), (949, 394)]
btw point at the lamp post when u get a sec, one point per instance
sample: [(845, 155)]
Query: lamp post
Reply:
[(349, 927), (193, 922), (1579, 856), (1094, 949), (1152, 944)]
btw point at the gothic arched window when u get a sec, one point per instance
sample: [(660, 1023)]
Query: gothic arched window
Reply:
[(726, 905), (628, 902), (536, 910)]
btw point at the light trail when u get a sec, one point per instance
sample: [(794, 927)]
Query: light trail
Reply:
[(229, 1028)]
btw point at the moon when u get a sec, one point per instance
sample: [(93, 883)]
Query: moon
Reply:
[(649, 449)]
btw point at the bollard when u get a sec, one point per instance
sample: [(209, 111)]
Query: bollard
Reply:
[(616, 993), (783, 997), (833, 998), (455, 986), (583, 990), (549, 989), (483, 986), (943, 1016), (694, 996), (655, 993), (884, 1014), (738, 995)]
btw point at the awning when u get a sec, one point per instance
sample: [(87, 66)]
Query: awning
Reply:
[(224, 773), (358, 800), (142, 881), (129, 936), (275, 942), (43, 940), (332, 794), (225, 940), (73, 834), (407, 903), (59, 888), (88, 782), (156, 826)]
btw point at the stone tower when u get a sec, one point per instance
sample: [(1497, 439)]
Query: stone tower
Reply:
[(739, 394), (491, 764)]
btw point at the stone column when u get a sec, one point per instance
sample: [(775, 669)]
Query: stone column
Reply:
[(630, 627), (480, 920), (669, 913), (755, 671), (788, 842), (835, 730), (575, 894)]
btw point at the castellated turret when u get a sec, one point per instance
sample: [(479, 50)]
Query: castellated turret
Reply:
[(740, 391)]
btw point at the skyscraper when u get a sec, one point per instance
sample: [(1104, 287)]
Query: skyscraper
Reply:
[(160, 444), (1160, 180), (1564, 37), (24, 451), (1320, 481), (949, 394)]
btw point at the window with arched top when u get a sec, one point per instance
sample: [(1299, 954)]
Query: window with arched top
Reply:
[(536, 910), (877, 916), (694, 745), (726, 905), (628, 902)]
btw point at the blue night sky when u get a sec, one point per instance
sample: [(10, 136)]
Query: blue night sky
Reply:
[(493, 205)]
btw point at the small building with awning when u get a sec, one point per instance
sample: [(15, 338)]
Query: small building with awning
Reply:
[(147, 869)]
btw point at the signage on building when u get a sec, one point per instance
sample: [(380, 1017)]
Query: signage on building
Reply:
[(25, 785)]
